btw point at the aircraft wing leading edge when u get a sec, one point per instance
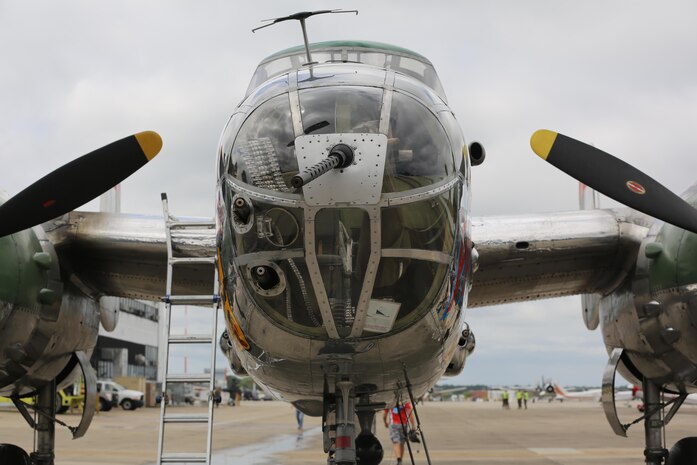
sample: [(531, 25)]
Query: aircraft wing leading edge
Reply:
[(125, 255), (528, 257)]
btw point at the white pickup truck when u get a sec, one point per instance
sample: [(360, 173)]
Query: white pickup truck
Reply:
[(128, 398)]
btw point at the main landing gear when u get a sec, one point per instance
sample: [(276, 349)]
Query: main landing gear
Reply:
[(45, 422), (684, 452)]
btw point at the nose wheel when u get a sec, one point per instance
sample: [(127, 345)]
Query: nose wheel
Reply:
[(9, 453), (684, 452), (342, 405)]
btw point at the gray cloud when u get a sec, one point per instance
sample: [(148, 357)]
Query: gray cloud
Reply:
[(621, 75)]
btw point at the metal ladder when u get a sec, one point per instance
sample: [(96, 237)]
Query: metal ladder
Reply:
[(172, 223)]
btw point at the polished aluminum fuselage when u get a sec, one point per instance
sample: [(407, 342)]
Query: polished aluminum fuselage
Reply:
[(344, 279)]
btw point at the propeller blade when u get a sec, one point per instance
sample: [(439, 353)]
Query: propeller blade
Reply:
[(78, 182), (614, 178)]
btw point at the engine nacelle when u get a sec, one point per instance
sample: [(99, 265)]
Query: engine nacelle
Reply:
[(465, 346), (41, 324), (654, 317), (229, 352)]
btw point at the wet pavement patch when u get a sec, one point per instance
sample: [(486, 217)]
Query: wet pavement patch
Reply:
[(263, 453)]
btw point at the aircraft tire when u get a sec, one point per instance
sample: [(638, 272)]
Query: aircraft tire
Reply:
[(9, 453), (368, 449), (60, 408), (684, 452)]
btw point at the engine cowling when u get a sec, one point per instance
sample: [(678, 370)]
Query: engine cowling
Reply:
[(30, 303), (654, 316), (42, 324)]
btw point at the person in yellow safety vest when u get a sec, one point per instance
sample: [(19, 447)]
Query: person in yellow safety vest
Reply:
[(526, 395), (504, 397), (519, 398)]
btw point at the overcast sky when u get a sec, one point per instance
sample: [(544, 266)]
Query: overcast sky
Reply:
[(622, 75)]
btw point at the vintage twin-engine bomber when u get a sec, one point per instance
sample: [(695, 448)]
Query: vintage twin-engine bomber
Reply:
[(346, 253)]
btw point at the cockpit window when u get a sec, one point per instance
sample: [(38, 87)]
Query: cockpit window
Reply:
[(335, 109), (263, 153), (402, 61), (418, 152)]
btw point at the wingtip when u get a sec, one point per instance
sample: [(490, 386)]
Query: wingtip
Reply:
[(150, 143), (542, 141)]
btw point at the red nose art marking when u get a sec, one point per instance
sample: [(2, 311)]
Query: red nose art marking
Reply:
[(48, 203), (636, 187)]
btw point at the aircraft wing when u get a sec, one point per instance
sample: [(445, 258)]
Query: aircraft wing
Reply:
[(528, 257), (521, 257), (125, 255)]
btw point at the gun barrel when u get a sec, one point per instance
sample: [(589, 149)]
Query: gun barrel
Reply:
[(340, 156)]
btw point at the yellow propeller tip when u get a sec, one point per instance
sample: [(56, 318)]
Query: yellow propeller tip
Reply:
[(542, 141), (150, 143)]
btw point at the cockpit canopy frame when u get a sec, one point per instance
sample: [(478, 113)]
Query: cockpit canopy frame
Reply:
[(381, 55)]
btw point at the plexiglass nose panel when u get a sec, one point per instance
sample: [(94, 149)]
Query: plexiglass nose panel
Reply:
[(263, 154), (264, 243), (417, 245), (342, 247), (358, 251), (419, 153)]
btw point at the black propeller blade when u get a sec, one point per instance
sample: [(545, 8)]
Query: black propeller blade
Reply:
[(614, 178), (78, 182)]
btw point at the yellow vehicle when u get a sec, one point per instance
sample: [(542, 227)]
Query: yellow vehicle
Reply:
[(64, 401), (68, 400), (7, 402)]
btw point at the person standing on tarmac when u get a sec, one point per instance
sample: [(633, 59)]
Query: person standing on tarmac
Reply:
[(519, 398), (398, 426), (504, 398), (526, 395), (299, 417)]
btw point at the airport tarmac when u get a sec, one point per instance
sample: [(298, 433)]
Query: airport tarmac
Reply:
[(265, 433)]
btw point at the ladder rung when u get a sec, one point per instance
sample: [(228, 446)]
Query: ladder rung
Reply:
[(192, 260), (185, 418), (192, 299), (191, 224), (190, 339), (189, 378), (184, 458)]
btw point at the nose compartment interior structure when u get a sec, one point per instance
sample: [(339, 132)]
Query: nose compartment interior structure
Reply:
[(363, 249)]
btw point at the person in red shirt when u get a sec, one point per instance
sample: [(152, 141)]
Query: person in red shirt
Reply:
[(398, 418)]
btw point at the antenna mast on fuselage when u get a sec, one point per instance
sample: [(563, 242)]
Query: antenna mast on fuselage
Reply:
[(302, 16)]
